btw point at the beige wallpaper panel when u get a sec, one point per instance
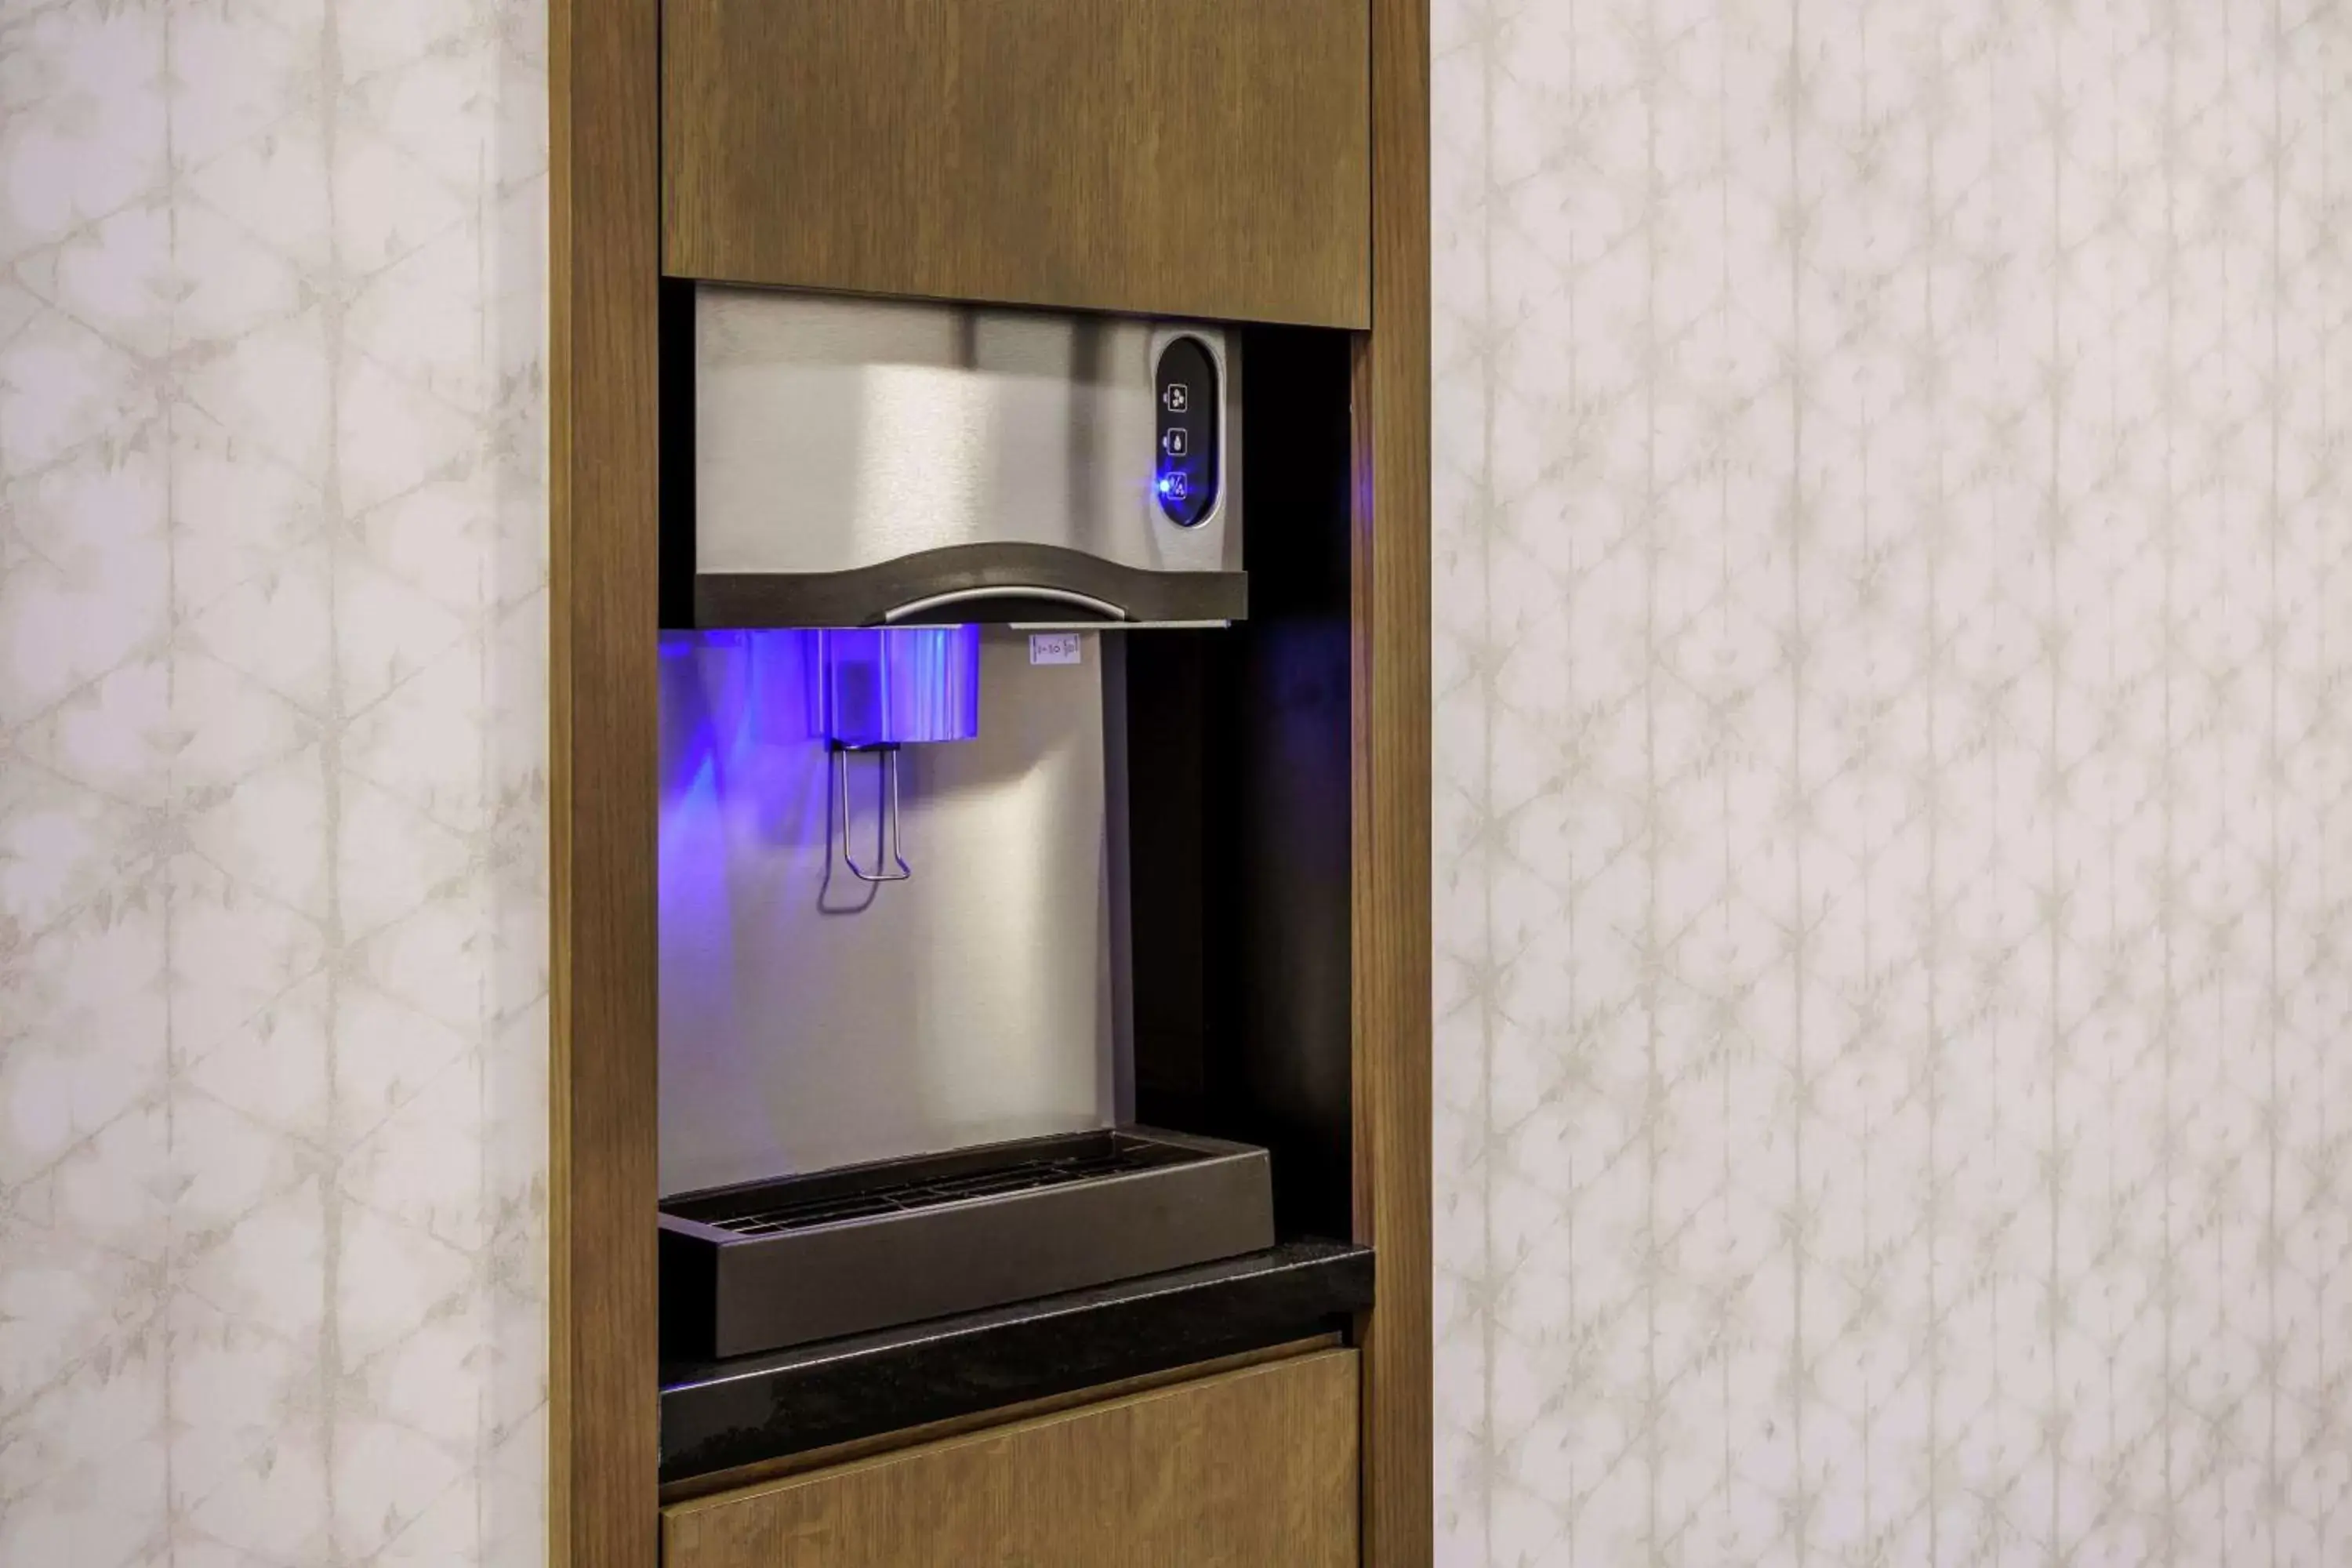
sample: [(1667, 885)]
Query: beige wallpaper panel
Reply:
[(272, 768), (1894, 590)]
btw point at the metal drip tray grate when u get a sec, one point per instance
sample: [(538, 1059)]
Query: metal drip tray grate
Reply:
[(1119, 1158), (807, 1257)]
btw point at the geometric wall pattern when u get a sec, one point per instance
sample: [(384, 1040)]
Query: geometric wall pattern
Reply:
[(1894, 781), (1894, 706), (273, 704)]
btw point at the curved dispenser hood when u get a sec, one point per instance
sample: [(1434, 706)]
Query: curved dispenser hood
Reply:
[(866, 462)]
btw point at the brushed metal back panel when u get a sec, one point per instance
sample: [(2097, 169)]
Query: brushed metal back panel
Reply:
[(809, 1021), (833, 433)]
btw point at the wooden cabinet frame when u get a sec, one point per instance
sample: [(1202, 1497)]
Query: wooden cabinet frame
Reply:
[(1070, 153), (1391, 693), (604, 269), (1255, 1465)]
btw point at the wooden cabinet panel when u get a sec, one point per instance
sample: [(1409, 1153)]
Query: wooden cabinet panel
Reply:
[(1167, 157), (1250, 1470)]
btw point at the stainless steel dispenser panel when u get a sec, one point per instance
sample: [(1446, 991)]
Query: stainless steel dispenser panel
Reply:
[(839, 435), (808, 1021)]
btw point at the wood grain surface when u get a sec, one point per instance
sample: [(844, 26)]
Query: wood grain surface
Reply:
[(1391, 783), (837, 1453), (1247, 1470), (1169, 157), (604, 264), (1041, 168)]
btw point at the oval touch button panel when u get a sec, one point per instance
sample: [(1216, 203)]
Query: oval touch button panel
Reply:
[(1186, 474)]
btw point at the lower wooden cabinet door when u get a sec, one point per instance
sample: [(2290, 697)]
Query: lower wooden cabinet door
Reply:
[(1254, 1469)]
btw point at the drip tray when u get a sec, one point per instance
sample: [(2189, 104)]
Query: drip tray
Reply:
[(782, 1263)]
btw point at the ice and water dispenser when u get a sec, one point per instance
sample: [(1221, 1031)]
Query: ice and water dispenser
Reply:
[(906, 548)]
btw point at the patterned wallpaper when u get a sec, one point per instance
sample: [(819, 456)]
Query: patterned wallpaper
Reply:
[(1895, 780), (272, 759)]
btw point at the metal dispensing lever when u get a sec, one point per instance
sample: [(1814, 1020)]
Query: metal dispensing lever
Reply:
[(886, 812)]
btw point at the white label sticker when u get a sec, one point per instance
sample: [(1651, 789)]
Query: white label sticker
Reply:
[(1056, 647)]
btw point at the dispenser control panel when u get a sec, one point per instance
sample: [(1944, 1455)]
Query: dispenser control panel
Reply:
[(1186, 386)]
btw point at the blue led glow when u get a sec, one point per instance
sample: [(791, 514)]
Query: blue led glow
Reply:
[(746, 717), (859, 687)]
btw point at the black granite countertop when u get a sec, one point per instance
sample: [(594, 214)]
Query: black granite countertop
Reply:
[(717, 1415)]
